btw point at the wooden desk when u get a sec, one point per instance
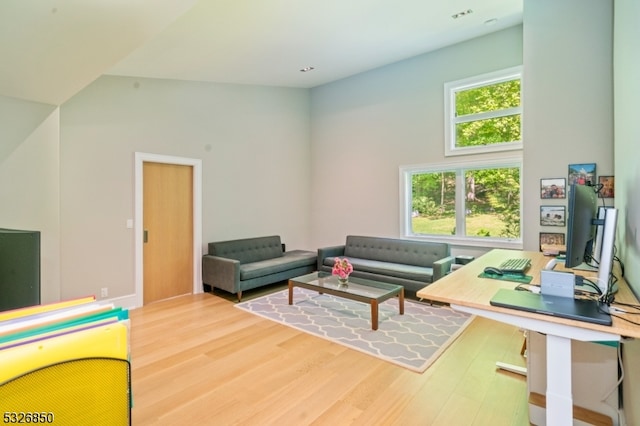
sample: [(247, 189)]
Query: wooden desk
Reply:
[(466, 292)]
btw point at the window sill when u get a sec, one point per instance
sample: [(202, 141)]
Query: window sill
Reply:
[(469, 241), (484, 149)]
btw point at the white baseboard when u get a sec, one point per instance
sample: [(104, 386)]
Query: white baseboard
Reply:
[(125, 302)]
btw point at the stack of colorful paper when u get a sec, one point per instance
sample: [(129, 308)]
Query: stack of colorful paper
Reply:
[(65, 363)]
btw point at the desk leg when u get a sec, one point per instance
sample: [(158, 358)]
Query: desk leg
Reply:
[(559, 397)]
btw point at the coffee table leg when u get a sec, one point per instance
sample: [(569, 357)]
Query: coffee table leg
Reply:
[(290, 293), (401, 301), (374, 314)]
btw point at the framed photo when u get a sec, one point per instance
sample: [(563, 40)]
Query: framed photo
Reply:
[(608, 189), (582, 174), (553, 188), (553, 215), (551, 240)]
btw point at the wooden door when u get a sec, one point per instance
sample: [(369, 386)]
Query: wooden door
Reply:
[(168, 224)]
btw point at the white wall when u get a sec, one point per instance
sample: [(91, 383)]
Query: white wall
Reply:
[(568, 95), (29, 181), (627, 93), (254, 146), (627, 137), (18, 119), (365, 127)]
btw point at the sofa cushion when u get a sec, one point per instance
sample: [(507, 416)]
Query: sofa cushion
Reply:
[(411, 272), (249, 249), (418, 253), (290, 260)]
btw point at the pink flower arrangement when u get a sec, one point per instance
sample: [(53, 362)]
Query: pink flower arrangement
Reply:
[(342, 268)]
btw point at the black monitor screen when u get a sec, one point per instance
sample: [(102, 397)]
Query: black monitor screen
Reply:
[(583, 210)]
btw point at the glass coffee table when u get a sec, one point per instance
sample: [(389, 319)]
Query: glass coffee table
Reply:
[(359, 289)]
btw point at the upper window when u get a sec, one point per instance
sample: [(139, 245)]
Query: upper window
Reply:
[(484, 113)]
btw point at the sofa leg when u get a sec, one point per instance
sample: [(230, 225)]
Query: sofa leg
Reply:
[(239, 296)]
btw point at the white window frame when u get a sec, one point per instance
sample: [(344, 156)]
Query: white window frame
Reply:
[(450, 90), (460, 239)]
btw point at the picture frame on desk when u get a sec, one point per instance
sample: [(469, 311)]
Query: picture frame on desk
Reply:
[(551, 239)]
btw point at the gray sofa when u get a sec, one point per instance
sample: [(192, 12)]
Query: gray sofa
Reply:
[(243, 264), (412, 264)]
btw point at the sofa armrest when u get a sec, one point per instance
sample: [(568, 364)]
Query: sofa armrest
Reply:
[(332, 251), (442, 267), (221, 272)]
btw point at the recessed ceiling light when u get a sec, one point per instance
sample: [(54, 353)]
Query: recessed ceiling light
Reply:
[(491, 21), (307, 69), (461, 14)]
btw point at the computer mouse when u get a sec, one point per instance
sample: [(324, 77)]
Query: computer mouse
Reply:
[(492, 271)]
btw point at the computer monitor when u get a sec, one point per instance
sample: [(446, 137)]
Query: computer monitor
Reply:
[(590, 234), (581, 232)]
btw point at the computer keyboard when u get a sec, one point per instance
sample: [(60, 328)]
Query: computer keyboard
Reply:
[(515, 266)]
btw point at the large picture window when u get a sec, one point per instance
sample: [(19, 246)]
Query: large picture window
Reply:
[(484, 113), (474, 203)]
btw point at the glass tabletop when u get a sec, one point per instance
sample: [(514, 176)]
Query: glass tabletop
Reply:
[(356, 286)]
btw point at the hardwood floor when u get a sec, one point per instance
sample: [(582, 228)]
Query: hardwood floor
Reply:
[(198, 360)]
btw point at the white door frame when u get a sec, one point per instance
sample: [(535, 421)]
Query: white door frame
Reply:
[(140, 159)]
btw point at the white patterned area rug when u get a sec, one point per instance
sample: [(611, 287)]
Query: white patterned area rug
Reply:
[(413, 340)]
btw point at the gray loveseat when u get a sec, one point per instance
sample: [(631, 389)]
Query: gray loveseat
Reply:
[(243, 264), (412, 264)]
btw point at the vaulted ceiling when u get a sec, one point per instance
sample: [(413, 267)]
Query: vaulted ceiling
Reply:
[(50, 50)]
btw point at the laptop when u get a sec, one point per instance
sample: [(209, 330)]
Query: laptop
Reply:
[(563, 307)]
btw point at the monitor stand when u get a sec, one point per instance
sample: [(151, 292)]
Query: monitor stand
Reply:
[(585, 267)]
